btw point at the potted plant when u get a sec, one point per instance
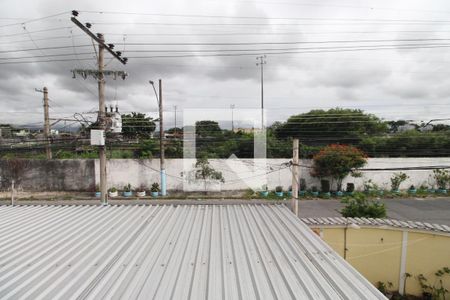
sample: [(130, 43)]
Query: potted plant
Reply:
[(141, 191), (396, 180), (279, 191), (325, 188), (314, 191), (302, 191), (412, 189), (264, 191), (127, 191), (155, 189), (98, 194), (289, 192), (442, 177), (350, 188), (113, 192)]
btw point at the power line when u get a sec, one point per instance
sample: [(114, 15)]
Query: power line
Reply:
[(255, 17), (284, 43), (34, 20), (43, 48)]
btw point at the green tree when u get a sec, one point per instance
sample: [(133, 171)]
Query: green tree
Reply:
[(207, 129), (137, 125), (319, 127), (336, 162)]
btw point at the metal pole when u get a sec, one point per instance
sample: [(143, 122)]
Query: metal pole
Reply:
[(261, 62), (175, 107), (295, 163), (48, 150), (161, 142), (101, 118), (232, 117)]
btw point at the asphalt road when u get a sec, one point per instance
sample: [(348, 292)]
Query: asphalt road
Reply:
[(423, 210)]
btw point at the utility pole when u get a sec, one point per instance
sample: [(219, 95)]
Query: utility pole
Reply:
[(295, 175), (232, 117), (99, 74), (161, 142), (48, 150), (161, 137), (101, 117), (261, 61)]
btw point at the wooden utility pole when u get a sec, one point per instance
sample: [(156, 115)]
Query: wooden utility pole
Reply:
[(295, 175), (161, 142), (101, 117), (99, 74)]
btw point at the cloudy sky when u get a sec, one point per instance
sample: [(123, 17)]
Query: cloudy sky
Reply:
[(388, 58)]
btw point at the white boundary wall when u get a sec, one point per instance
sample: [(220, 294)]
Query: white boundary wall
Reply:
[(144, 172)]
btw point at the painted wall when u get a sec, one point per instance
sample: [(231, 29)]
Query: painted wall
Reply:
[(78, 174), (376, 253), (145, 172), (52, 175)]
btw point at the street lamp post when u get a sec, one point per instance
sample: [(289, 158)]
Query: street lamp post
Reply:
[(261, 61)]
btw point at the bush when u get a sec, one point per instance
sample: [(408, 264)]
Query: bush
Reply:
[(360, 207), (397, 179), (325, 186), (302, 184), (350, 187), (155, 187), (442, 177)]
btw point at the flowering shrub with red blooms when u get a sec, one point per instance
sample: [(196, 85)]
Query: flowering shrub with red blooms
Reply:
[(337, 161)]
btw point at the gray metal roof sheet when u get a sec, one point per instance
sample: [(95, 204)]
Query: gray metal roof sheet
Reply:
[(412, 225), (169, 252)]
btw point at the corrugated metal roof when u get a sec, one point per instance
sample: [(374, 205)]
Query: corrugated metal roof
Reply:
[(169, 252), (410, 225)]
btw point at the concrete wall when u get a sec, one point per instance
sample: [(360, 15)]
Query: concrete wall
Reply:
[(51, 175), (145, 172), (79, 174), (376, 254)]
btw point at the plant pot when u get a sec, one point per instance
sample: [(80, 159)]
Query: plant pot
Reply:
[(442, 191), (302, 193), (348, 193), (128, 194), (326, 194), (155, 194), (431, 191), (264, 193), (339, 194), (395, 191), (113, 194), (289, 193), (279, 194), (315, 194), (98, 194), (412, 192), (141, 194)]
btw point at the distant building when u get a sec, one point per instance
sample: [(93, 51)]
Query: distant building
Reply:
[(5, 132), (406, 127), (244, 130), (21, 133)]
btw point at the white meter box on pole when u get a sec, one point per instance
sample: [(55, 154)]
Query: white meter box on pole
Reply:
[(97, 137)]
